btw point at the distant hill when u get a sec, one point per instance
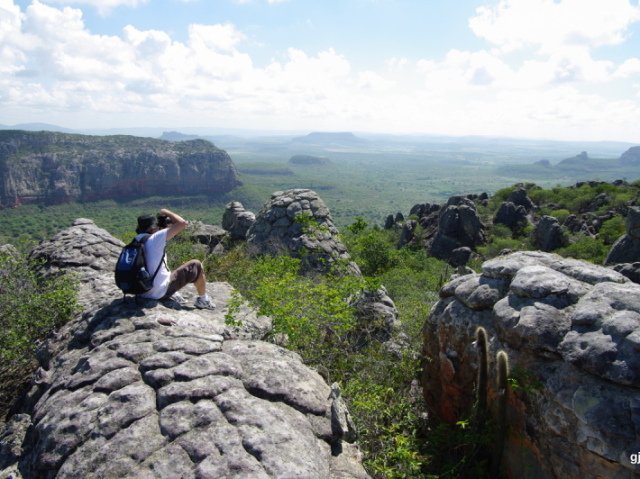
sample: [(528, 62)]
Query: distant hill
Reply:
[(177, 136), (309, 160), (577, 160), (344, 138), (38, 127), (631, 156)]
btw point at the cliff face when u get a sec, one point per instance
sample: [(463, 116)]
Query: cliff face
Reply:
[(53, 168)]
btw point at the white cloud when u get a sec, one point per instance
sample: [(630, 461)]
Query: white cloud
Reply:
[(104, 7), (628, 68), (371, 81), (50, 62), (550, 24)]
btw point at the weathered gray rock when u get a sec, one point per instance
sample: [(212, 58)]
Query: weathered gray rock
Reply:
[(630, 270), (458, 225), (297, 222), (519, 198), (460, 256), (627, 248), (389, 222), (236, 220), (154, 389), (512, 216), (571, 331), (87, 252), (547, 235), (377, 313), (211, 236), (406, 235)]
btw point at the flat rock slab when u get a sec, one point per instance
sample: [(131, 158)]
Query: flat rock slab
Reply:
[(158, 389)]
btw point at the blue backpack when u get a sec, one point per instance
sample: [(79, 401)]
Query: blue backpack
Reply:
[(132, 276)]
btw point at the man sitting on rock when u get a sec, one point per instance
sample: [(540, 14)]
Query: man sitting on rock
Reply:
[(167, 283)]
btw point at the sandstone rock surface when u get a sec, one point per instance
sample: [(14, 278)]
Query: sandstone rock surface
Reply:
[(155, 389), (571, 332)]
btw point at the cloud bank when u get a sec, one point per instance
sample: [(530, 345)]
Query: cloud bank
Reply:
[(538, 74)]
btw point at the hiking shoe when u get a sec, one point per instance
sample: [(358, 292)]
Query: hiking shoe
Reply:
[(204, 303), (178, 298)]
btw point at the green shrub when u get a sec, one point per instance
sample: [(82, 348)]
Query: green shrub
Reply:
[(32, 307), (561, 215), (586, 248), (611, 230)]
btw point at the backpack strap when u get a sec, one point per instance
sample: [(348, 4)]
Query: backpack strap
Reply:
[(164, 257)]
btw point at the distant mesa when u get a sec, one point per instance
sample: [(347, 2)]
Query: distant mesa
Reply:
[(344, 138), (55, 168), (309, 160), (631, 156), (177, 136)]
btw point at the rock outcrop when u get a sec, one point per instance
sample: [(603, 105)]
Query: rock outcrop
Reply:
[(298, 222), (458, 225), (512, 216), (47, 167), (627, 248), (211, 237), (155, 389), (237, 221), (572, 334), (547, 235)]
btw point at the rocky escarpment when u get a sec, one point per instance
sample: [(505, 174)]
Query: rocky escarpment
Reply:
[(162, 390), (56, 167), (572, 333)]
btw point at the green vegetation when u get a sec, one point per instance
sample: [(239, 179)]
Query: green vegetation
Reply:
[(32, 307), (312, 313)]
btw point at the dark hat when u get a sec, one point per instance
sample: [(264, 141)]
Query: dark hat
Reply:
[(146, 223)]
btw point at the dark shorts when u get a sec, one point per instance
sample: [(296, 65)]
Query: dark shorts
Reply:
[(183, 275)]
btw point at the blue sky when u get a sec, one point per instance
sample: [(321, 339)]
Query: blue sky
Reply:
[(558, 69)]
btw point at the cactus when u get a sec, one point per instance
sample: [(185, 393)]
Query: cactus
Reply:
[(482, 386), (501, 411)]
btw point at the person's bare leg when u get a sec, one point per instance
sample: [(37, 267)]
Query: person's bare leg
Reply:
[(200, 283)]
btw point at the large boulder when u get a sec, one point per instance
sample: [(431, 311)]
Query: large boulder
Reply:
[(519, 198), (297, 222), (512, 216), (151, 389), (237, 221), (458, 225), (547, 235), (627, 248), (572, 334)]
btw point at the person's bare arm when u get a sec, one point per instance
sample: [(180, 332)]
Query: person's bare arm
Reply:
[(177, 223)]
